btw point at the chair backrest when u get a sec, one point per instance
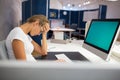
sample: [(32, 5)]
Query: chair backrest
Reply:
[(87, 26), (3, 50), (73, 26)]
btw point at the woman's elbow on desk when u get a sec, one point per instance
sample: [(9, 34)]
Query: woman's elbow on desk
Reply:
[(44, 52)]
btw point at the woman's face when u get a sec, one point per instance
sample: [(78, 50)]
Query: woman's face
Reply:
[(35, 30)]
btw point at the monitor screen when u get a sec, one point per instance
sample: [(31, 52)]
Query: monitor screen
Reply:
[(102, 33)]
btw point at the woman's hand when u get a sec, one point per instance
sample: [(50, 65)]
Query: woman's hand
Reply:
[(46, 28)]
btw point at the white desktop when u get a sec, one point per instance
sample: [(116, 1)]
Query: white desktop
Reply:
[(58, 33), (76, 46)]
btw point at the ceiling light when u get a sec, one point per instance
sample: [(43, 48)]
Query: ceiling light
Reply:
[(85, 3), (88, 2), (68, 5), (112, 0), (79, 5)]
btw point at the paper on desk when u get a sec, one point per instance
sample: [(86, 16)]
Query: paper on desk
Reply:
[(50, 48), (116, 50), (64, 57)]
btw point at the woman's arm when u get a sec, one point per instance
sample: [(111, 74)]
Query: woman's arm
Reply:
[(44, 43), (42, 49), (39, 49), (18, 49)]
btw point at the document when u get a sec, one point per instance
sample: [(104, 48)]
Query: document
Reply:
[(64, 57)]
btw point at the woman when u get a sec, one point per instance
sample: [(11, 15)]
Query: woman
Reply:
[(20, 45)]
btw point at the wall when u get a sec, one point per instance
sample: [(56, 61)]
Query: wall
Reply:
[(33, 7), (10, 16), (112, 9), (64, 14), (55, 4), (39, 7)]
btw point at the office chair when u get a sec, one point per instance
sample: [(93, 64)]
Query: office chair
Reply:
[(3, 51), (75, 34)]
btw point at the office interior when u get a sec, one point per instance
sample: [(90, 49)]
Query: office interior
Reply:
[(76, 15)]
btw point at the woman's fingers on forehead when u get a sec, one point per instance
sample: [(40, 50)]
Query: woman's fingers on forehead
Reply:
[(44, 28), (47, 26)]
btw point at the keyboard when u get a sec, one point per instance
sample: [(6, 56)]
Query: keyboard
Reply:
[(70, 55)]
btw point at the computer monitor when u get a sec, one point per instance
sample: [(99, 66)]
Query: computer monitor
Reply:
[(101, 36)]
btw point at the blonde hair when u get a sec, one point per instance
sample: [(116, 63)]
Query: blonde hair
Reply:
[(41, 18)]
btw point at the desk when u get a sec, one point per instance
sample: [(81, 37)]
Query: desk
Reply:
[(76, 46), (59, 34)]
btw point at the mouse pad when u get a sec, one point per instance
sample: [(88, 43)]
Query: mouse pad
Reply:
[(70, 55)]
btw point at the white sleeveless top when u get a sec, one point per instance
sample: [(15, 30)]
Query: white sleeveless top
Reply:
[(17, 33)]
